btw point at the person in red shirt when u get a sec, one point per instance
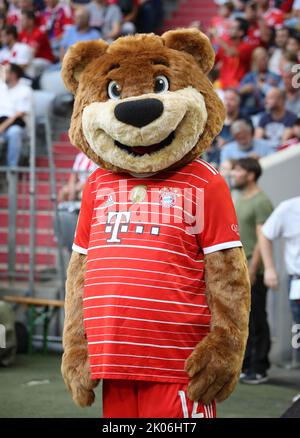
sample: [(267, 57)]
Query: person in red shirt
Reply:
[(272, 16), (234, 56), (251, 15), (222, 22), (54, 21), (14, 14), (32, 36)]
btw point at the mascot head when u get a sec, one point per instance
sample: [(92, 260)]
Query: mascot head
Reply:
[(144, 103)]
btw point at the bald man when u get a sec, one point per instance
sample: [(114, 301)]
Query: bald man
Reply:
[(81, 31), (276, 123)]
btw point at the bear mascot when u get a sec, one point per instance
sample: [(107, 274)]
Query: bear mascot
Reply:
[(157, 292)]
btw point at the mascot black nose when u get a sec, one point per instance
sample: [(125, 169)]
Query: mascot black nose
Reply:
[(140, 112)]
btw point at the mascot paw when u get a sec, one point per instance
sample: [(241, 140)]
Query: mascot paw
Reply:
[(78, 381), (214, 371), (82, 396)]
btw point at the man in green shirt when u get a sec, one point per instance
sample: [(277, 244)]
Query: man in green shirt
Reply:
[(253, 208)]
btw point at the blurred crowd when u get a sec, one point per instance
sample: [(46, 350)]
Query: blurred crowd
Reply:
[(34, 37), (256, 74), (37, 33)]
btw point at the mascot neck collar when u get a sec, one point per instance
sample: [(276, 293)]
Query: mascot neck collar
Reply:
[(142, 175)]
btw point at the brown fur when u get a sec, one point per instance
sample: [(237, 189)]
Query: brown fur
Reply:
[(75, 362), (214, 366), (185, 57), (136, 61)]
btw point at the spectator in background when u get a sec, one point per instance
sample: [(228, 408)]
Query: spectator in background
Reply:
[(291, 86), (106, 18), (82, 167), (276, 123), (220, 23), (150, 16), (2, 25), (257, 83), (70, 197), (253, 34), (55, 19), (293, 44), (281, 39), (284, 222), (13, 51), (38, 41), (244, 144), (253, 208), (234, 56), (225, 169), (293, 19), (81, 31), (271, 15), (295, 136), (232, 102), (15, 105), (129, 10), (14, 13)]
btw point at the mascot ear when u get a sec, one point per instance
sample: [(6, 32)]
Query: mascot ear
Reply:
[(77, 58), (193, 42)]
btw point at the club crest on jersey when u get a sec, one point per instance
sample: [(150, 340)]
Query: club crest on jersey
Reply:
[(167, 197), (110, 201)]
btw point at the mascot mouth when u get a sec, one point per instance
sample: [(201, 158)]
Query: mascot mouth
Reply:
[(142, 150)]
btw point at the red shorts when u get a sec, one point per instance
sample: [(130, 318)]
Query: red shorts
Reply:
[(138, 399)]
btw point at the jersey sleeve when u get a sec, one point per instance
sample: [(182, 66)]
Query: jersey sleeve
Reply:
[(220, 226), (82, 233)]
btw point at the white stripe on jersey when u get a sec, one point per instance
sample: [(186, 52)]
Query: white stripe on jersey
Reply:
[(137, 278), (146, 260), (208, 166), (140, 285), (97, 327), (143, 270), (143, 345), (134, 355), (145, 320), (154, 248), (134, 366), (148, 338), (144, 375), (149, 309), (143, 299)]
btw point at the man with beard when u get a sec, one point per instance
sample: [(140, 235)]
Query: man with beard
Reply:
[(253, 208)]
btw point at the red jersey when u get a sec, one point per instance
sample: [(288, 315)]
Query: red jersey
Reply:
[(234, 67), (144, 303), (39, 41), (54, 21), (274, 17)]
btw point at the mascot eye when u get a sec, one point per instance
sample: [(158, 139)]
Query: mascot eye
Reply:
[(114, 90), (161, 84)]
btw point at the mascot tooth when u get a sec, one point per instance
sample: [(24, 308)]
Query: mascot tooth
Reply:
[(157, 293)]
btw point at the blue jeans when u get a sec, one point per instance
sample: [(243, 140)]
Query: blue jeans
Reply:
[(14, 139), (295, 306)]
